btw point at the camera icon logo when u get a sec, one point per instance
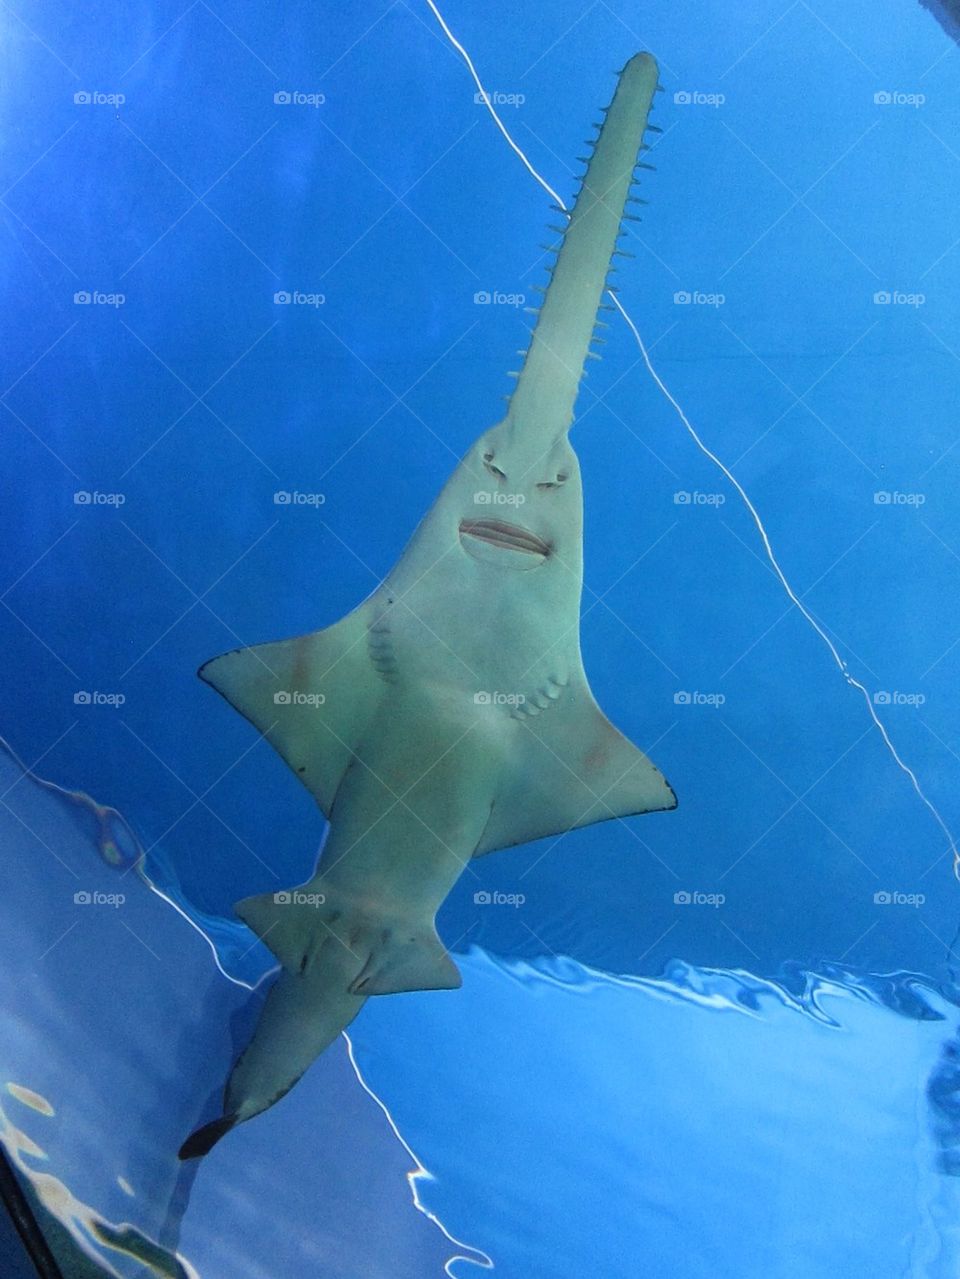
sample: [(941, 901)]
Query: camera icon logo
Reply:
[(481, 699), (681, 899), (482, 298), (681, 699), (482, 898), (882, 899), (82, 98), (282, 698), (881, 699), (82, 899), (682, 298), (82, 699), (281, 899), (882, 297), (882, 99), (282, 298), (683, 98), (282, 98), (82, 298)]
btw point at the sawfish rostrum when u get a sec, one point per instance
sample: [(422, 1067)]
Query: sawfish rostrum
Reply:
[(449, 715)]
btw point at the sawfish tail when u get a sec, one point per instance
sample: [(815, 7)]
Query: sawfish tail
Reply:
[(299, 1020), (334, 955), (202, 1141)]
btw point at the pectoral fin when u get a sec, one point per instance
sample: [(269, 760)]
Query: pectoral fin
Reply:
[(571, 768), (311, 697)]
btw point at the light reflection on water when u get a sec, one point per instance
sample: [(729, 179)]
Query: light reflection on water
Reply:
[(707, 1122)]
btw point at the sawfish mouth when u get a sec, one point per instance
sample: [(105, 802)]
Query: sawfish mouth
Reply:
[(496, 541)]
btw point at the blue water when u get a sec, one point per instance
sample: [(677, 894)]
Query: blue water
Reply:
[(628, 1080)]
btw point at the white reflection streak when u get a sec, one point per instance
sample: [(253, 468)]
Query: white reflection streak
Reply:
[(420, 1173), (708, 453)]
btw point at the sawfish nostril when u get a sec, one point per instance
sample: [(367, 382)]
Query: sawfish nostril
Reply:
[(494, 470)]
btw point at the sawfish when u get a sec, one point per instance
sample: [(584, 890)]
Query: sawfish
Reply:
[(449, 715)]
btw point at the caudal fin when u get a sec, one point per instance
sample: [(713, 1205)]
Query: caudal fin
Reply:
[(204, 1139), (333, 956)]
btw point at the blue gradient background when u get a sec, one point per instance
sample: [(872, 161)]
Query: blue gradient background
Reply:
[(797, 199)]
